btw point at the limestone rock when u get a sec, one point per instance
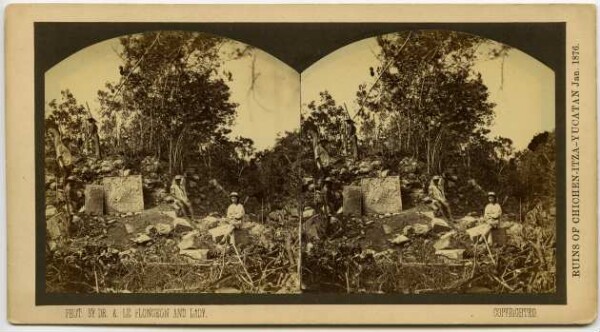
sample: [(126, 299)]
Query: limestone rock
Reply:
[(352, 198), (209, 222), (129, 228), (443, 243), (315, 228), (477, 231), (387, 229), (150, 229), (421, 229), (164, 229), (219, 232), (188, 241), (455, 254), (515, 230), (307, 213), (258, 230), (449, 234), (123, 194), (52, 245), (56, 226), (94, 199), (428, 214), (399, 239), (467, 221), (142, 239), (50, 211), (170, 214), (439, 225), (381, 195), (197, 254), (181, 225)]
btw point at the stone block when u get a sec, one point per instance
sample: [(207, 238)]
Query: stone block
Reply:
[(477, 231), (399, 239), (439, 225), (181, 225), (188, 241), (308, 212), (142, 239), (387, 229), (381, 195), (123, 194), (455, 254), (443, 243), (164, 229), (218, 233), (197, 254), (352, 198), (421, 229), (56, 226), (94, 199)]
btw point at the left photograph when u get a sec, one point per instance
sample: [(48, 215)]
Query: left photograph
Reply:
[(171, 166)]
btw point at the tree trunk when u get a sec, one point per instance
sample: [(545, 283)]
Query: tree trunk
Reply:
[(171, 155)]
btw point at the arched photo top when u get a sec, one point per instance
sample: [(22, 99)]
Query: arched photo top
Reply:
[(97, 76), (170, 128), (520, 87)]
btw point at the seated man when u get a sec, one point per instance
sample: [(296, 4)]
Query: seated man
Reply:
[(182, 203), (493, 211), (491, 216), (235, 211)]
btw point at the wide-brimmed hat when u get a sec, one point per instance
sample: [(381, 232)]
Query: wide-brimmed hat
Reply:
[(90, 119), (234, 194), (491, 193), (178, 177), (436, 177)]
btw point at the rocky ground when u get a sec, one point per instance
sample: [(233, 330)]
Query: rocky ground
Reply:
[(415, 252), (156, 251)]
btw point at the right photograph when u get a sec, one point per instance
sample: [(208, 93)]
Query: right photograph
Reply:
[(428, 168)]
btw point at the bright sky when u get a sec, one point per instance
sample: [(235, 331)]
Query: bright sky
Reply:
[(524, 102), (271, 108)]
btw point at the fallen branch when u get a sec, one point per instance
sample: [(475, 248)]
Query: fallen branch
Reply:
[(237, 253)]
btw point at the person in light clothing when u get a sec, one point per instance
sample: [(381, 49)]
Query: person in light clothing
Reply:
[(235, 211), (439, 198), (182, 203), (492, 211)]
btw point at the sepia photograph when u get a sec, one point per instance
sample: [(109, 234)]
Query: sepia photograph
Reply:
[(170, 167), (429, 168), (301, 165)]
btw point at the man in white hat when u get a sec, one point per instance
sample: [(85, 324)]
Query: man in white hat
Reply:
[(235, 211), (492, 211)]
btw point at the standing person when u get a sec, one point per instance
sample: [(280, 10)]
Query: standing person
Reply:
[(439, 197), (492, 211), (93, 140), (182, 202), (350, 141), (322, 158), (235, 211), (64, 158), (327, 200)]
